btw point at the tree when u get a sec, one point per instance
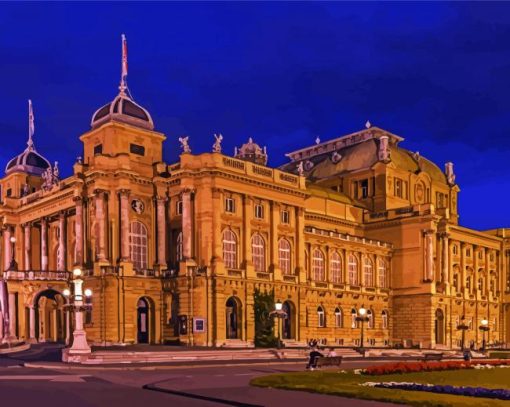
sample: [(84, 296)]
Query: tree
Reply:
[(263, 304)]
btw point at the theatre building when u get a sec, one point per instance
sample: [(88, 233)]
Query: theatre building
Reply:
[(175, 252)]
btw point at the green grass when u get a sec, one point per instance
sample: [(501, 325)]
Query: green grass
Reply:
[(499, 355), (347, 385)]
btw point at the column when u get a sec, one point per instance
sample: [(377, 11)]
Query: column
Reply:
[(247, 215), (300, 244), (44, 244), (124, 225), (7, 247), (100, 222), (32, 325), (78, 231), (446, 263), (429, 255), (346, 266), (13, 320), (27, 247), (273, 246), (61, 258), (217, 251), (68, 327), (186, 225), (161, 226)]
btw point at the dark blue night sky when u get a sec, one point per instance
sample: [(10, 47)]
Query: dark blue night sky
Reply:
[(436, 74)]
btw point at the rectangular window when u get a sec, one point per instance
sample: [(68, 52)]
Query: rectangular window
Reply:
[(178, 208), (285, 217), (259, 211), (398, 187), (364, 188), (9, 192), (98, 149), (136, 149), (230, 205)]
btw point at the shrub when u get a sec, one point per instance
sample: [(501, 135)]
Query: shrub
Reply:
[(415, 367)]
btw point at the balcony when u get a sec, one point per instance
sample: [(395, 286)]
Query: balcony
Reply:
[(37, 275), (145, 273)]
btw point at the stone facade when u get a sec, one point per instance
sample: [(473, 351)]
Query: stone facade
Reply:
[(174, 253)]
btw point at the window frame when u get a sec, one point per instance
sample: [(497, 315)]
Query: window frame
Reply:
[(229, 249), (285, 256)]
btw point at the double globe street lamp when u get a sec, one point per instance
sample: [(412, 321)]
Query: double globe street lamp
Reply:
[(362, 317), (281, 315), (462, 327), (484, 327), (80, 349)]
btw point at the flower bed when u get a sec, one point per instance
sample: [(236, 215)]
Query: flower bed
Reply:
[(500, 394), (415, 367)]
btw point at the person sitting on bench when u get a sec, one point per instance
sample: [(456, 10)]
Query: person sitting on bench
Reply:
[(312, 359)]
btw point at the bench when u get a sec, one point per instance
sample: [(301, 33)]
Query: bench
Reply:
[(329, 361), (432, 356)]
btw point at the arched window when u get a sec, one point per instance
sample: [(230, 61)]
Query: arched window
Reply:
[(284, 256), (455, 249), (179, 256), (339, 318), (258, 253), (384, 319), (321, 317), (481, 283), (353, 270), (370, 317), (354, 315), (318, 268), (336, 268), (456, 281), (383, 274), (469, 279), (138, 245), (368, 271), (229, 249)]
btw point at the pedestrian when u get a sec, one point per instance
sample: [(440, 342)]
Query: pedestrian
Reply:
[(312, 359)]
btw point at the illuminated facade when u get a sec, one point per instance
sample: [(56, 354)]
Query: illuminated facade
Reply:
[(175, 252)]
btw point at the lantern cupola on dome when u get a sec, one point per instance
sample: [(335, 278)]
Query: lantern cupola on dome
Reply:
[(29, 161), (123, 108)]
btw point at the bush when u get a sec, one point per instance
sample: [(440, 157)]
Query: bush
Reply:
[(415, 367)]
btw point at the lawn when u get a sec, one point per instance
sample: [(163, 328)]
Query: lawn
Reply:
[(347, 385)]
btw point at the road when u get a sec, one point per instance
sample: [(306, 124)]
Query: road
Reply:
[(153, 386)]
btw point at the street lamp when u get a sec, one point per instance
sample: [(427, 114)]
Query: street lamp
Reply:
[(462, 327), (484, 327), (362, 317), (80, 349), (13, 265), (280, 314)]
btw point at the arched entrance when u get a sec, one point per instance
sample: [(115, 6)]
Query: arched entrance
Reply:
[(439, 327), (143, 321), (289, 328), (233, 318), (50, 321)]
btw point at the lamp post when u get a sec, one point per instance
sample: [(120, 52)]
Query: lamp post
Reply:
[(80, 349), (13, 265), (462, 327), (362, 317), (280, 314), (484, 327)]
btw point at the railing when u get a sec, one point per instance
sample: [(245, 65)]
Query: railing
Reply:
[(31, 275), (235, 273), (346, 237), (146, 273)]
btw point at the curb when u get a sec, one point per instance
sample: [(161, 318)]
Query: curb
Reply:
[(15, 349), (152, 387), (133, 366)]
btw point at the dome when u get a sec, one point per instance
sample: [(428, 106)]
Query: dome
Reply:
[(251, 151), (123, 109), (29, 161)]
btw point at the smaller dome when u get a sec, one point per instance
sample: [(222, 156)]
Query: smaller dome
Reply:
[(123, 109), (29, 161), (251, 151)]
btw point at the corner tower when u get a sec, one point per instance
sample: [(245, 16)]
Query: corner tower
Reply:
[(123, 129)]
